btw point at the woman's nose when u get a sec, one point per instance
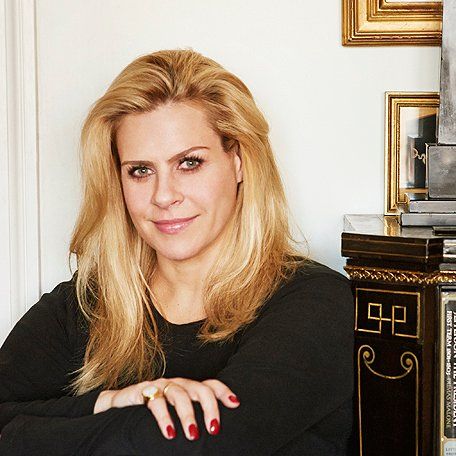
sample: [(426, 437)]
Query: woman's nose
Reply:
[(165, 191)]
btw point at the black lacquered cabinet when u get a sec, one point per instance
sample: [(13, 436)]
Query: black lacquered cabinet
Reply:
[(397, 276)]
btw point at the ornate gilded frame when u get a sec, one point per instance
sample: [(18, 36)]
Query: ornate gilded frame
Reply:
[(379, 22), (395, 101)]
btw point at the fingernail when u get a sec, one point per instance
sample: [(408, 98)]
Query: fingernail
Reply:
[(171, 431), (193, 431), (214, 427), (234, 399)]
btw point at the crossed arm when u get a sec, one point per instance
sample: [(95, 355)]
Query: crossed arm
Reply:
[(291, 370)]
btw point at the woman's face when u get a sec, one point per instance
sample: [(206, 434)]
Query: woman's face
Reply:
[(173, 166)]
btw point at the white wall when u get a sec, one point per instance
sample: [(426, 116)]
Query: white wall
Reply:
[(324, 102)]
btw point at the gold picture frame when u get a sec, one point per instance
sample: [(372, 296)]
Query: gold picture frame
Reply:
[(391, 22), (410, 123)]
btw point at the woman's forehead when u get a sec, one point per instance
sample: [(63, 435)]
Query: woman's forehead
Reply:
[(165, 132)]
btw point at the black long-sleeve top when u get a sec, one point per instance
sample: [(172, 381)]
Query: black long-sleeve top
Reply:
[(291, 370)]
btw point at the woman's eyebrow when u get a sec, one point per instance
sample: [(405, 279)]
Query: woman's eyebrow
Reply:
[(175, 157)]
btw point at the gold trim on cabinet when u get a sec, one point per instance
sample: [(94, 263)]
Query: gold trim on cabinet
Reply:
[(378, 22), (407, 365), (380, 318), (393, 320), (399, 276)]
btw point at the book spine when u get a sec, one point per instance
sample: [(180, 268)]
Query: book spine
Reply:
[(447, 380)]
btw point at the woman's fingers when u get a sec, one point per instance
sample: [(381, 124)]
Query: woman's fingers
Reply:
[(178, 396), (205, 396), (222, 392), (159, 409), (180, 392)]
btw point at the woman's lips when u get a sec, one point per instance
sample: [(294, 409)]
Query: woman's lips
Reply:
[(174, 226)]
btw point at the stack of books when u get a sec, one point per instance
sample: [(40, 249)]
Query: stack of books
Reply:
[(419, 210)]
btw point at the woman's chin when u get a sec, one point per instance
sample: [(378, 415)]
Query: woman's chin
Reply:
[(176, 254)]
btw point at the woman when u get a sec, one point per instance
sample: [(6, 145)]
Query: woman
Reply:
[(193, 325)]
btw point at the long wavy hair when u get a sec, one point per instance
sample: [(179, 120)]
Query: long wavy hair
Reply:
[(114, 280)]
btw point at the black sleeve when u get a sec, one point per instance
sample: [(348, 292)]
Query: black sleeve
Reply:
[(293, 368), (35, 361)]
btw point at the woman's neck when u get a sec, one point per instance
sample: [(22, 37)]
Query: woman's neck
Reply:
[(178, 288)]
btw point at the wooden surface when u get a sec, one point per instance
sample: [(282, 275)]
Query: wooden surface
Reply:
[(396, 274)]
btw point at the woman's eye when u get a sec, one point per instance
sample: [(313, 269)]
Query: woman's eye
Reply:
[(186, 164), (191, 163), (138, 172)]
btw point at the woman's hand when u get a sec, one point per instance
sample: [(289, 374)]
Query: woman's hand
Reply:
[(180, 393)]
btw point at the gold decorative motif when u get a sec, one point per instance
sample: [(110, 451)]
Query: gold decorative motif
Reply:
[(380, 318), (379, 22), (398, 313), (408, 361), (400, 276)]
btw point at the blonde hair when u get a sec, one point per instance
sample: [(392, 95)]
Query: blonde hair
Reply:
[(115, 266)]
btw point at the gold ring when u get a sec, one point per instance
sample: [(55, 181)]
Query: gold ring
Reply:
[(167, 386), (150, 393)]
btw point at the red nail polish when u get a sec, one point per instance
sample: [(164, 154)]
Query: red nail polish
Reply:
[(214, 428), (171, 431), (193, 431), (234, 399)]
